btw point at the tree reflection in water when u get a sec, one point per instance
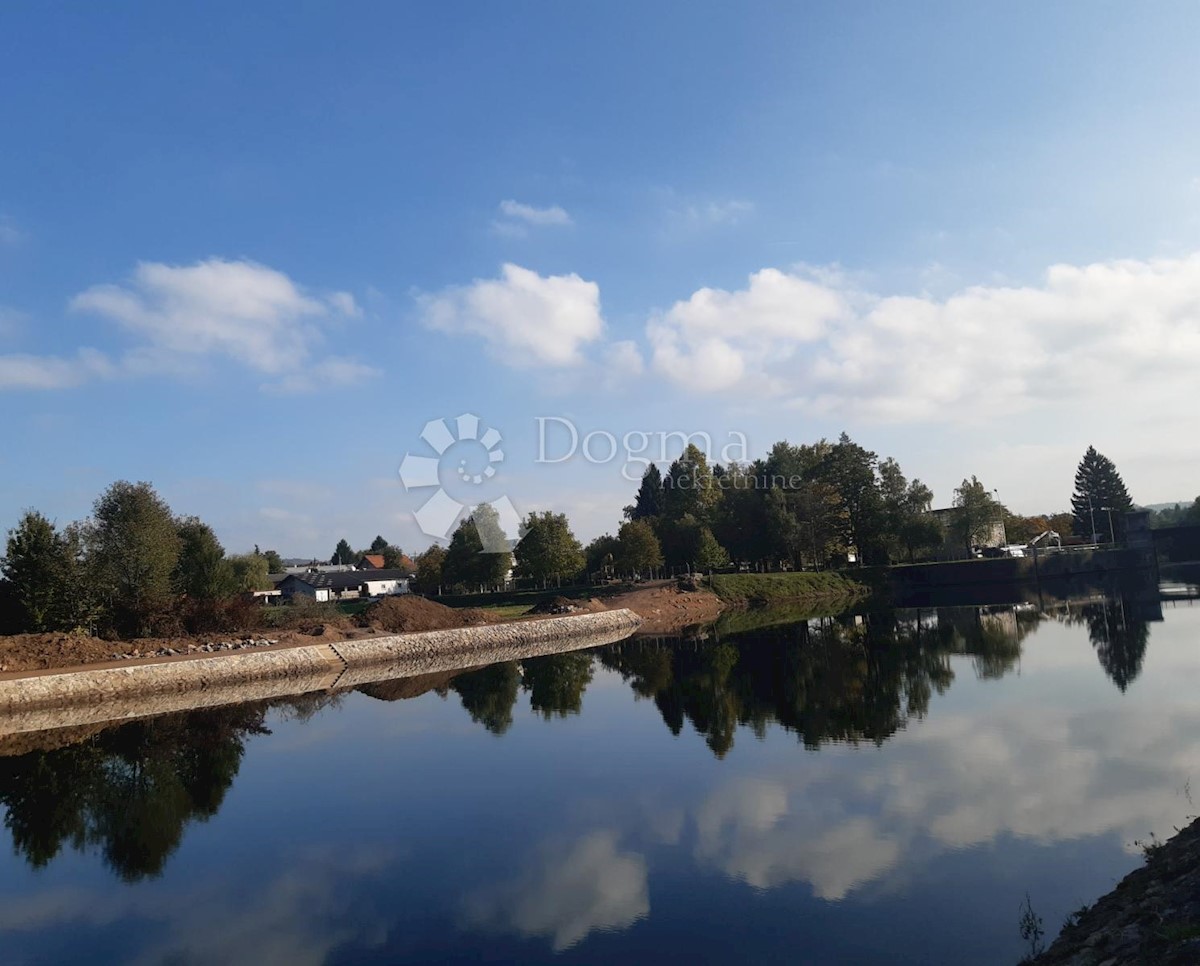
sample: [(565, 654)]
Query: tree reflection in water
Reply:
[(131, 791)]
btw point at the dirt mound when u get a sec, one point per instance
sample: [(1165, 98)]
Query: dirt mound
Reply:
[(564, 605), (398, 615)]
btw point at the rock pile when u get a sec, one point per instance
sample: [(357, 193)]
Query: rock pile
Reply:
[(211, 647)]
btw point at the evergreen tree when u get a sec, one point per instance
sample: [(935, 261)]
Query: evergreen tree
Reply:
[(1100, 500), (34, 567), (648, 503), (689, 488), (343, 554)]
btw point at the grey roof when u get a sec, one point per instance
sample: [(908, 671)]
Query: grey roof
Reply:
[(349, 579)]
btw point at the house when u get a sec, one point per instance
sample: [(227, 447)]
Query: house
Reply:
[(990, 535), (375, 561), (344, 585)]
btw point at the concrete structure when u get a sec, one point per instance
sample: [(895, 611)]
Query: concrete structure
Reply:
[(40, 701)]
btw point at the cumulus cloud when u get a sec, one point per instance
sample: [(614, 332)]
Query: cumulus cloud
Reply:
[(817, 341), (239, 310), (527, 319), (244, 310), (573, 889)]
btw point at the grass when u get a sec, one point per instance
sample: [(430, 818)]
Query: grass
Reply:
[(766, 588), (508, 612)]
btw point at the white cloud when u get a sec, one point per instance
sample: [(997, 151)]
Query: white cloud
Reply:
[(24, 372), (718, 212), (332, 373), (622, 360), (717, 339), (243, 311), (571, 891), (298, 916), (553, 215), (1085, 332), (528, 319), (249, 312)]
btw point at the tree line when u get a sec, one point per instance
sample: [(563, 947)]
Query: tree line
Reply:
[(133, 568), (806, 506)]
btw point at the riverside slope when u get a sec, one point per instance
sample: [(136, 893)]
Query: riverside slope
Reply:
[(38, 701)]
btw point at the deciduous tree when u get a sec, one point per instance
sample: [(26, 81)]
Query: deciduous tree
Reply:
[(133, 549), (548, 549)]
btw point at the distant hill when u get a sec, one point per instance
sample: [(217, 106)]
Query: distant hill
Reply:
[(1167, 506)]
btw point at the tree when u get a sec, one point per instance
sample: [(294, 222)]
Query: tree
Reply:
[(467, 563), (637, 548), (201, 571), (274, 562), (548, 549), (249, 572), (689, 487), (688, 542), (1100, 500), (850, 470), (343, 554), (390, 552), (648, 503), (977, 513), (601, 554), (740, 524), (429, 569), (133, 550), (37, 571), (907, 526)]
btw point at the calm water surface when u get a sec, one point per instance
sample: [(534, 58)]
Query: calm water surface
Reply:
[(880, 788)]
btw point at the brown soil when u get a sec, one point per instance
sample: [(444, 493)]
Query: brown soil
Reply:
[(398, 615), (665, 609)]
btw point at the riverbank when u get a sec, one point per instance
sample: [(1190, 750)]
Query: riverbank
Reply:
[(124, 690), (1152, 916), (823, 587)]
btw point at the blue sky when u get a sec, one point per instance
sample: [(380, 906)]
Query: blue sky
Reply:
[(247, 251)]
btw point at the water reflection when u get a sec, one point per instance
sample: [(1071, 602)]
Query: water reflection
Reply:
[(849, 679), (130, 792)]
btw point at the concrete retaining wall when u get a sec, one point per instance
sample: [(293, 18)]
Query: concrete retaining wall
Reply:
[(71, 698)]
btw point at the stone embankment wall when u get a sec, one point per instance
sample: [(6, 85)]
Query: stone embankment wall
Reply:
[(1151, 917), (38, 702)]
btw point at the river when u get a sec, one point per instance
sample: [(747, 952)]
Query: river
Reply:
[(893, 786)]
